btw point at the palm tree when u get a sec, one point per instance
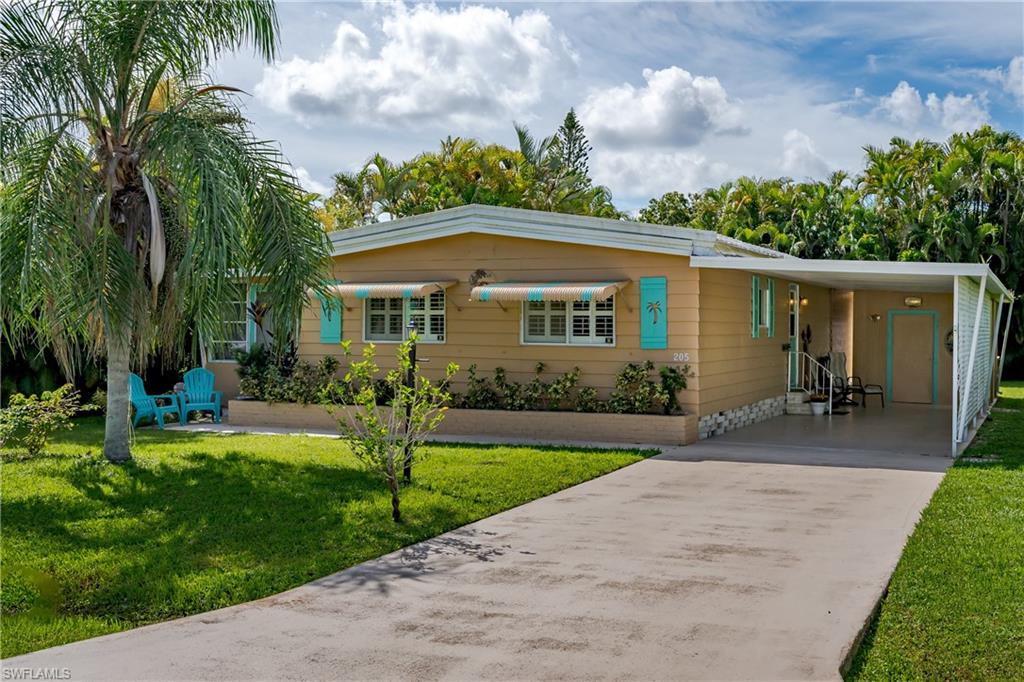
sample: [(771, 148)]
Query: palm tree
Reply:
[(137, 203)]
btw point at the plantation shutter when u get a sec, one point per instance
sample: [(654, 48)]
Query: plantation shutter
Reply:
[(771, 308), (755, 305)]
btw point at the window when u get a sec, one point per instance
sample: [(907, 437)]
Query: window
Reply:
[(767, 306), (581, 322), (762, 307), (545, 322), (387, 319), (233, 332)]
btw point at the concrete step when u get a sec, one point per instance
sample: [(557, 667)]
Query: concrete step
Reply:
[(800, 408)]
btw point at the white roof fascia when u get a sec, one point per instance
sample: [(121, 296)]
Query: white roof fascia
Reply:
[(541, 225), (864, 268)]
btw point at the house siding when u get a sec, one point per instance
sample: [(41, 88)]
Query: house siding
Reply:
[(870, 337), (489, 336), (737, 370)]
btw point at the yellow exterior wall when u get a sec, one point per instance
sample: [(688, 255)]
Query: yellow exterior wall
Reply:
[(225, 377), (869, 337), (737, 369), (487, 335)]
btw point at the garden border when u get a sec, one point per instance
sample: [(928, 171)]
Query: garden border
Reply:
[(598, 427)]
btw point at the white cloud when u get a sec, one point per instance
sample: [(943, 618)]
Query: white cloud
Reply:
[(957, 114), (457, 66), (903, 105), (651, 174), (1013, 82), (800, 158), (949, 114), (673, 109), (309, 183)]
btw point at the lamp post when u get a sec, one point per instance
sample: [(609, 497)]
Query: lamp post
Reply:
[(410, 382)]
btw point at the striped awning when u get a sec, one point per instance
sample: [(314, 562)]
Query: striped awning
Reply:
[(546, 291), (388, 289)]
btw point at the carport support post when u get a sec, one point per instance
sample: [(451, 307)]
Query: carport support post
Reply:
[(992, 386), (1006, 335), (983, 284)]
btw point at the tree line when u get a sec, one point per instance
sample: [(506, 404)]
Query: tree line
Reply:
[(961, 200), (546, 174)]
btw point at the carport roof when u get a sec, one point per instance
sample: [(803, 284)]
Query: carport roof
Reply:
[(860, 274)]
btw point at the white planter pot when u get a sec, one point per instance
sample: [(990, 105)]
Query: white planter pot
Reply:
[(818, 409)]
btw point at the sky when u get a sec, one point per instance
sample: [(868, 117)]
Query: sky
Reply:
[(673, 96)]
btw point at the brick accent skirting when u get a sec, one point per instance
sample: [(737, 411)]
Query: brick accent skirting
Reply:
[(719, 422)]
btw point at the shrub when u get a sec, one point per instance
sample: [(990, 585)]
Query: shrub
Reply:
[(97, 404), (586, 400), (307, 382), (28, 422), (561, 393), (511, 396), (480, 394), (635, 392), (673, 380)]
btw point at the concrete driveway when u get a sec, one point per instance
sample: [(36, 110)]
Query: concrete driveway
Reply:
[(699, 564)]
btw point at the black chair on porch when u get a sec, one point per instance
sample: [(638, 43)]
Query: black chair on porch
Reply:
[(845, 387)]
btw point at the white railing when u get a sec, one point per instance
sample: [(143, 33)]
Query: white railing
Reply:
[(810, 376)]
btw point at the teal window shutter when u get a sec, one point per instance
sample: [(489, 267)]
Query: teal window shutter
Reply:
[(653, 312), (330, 320), (755, 305), (771, 308)]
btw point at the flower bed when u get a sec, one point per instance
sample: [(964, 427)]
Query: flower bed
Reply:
[(677, 429)]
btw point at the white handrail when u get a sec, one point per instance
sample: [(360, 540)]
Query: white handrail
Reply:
[(810, 376)]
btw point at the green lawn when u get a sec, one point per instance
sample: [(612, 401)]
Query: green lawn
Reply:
[(201, 521), (955, 608)]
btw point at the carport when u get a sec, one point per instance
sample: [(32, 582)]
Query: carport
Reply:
[(948, 322)]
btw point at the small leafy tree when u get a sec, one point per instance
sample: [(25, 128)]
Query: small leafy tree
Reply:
[(391, 417), (28, 422)]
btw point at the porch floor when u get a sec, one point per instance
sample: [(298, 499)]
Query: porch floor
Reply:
[(900, 428)]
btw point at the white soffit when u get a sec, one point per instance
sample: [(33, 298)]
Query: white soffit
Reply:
[(854, 274)]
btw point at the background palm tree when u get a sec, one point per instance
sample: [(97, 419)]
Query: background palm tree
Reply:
[(136, 203)]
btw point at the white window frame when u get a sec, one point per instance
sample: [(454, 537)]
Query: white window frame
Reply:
[(592, 313), (767, 307), (434, 307), (242, 345)]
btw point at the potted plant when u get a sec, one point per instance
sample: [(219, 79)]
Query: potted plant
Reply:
[(819, 401)]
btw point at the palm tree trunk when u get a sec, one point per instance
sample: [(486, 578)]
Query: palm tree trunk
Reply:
[(116, 447)]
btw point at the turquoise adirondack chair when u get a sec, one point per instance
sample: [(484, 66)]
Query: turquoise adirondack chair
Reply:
[(146, 405), (199, 395)]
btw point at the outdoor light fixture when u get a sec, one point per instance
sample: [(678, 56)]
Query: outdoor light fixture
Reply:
[(912, 301), (875, 317), (803, 300)]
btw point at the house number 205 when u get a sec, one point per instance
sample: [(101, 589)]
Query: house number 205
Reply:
[(680, 357)]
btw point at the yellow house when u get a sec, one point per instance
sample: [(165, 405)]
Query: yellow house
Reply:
[(759, 330)]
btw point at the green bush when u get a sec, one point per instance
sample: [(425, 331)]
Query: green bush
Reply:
[(673, 380), (586, 400), (28, 422), (480, 394), (635, 392)]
